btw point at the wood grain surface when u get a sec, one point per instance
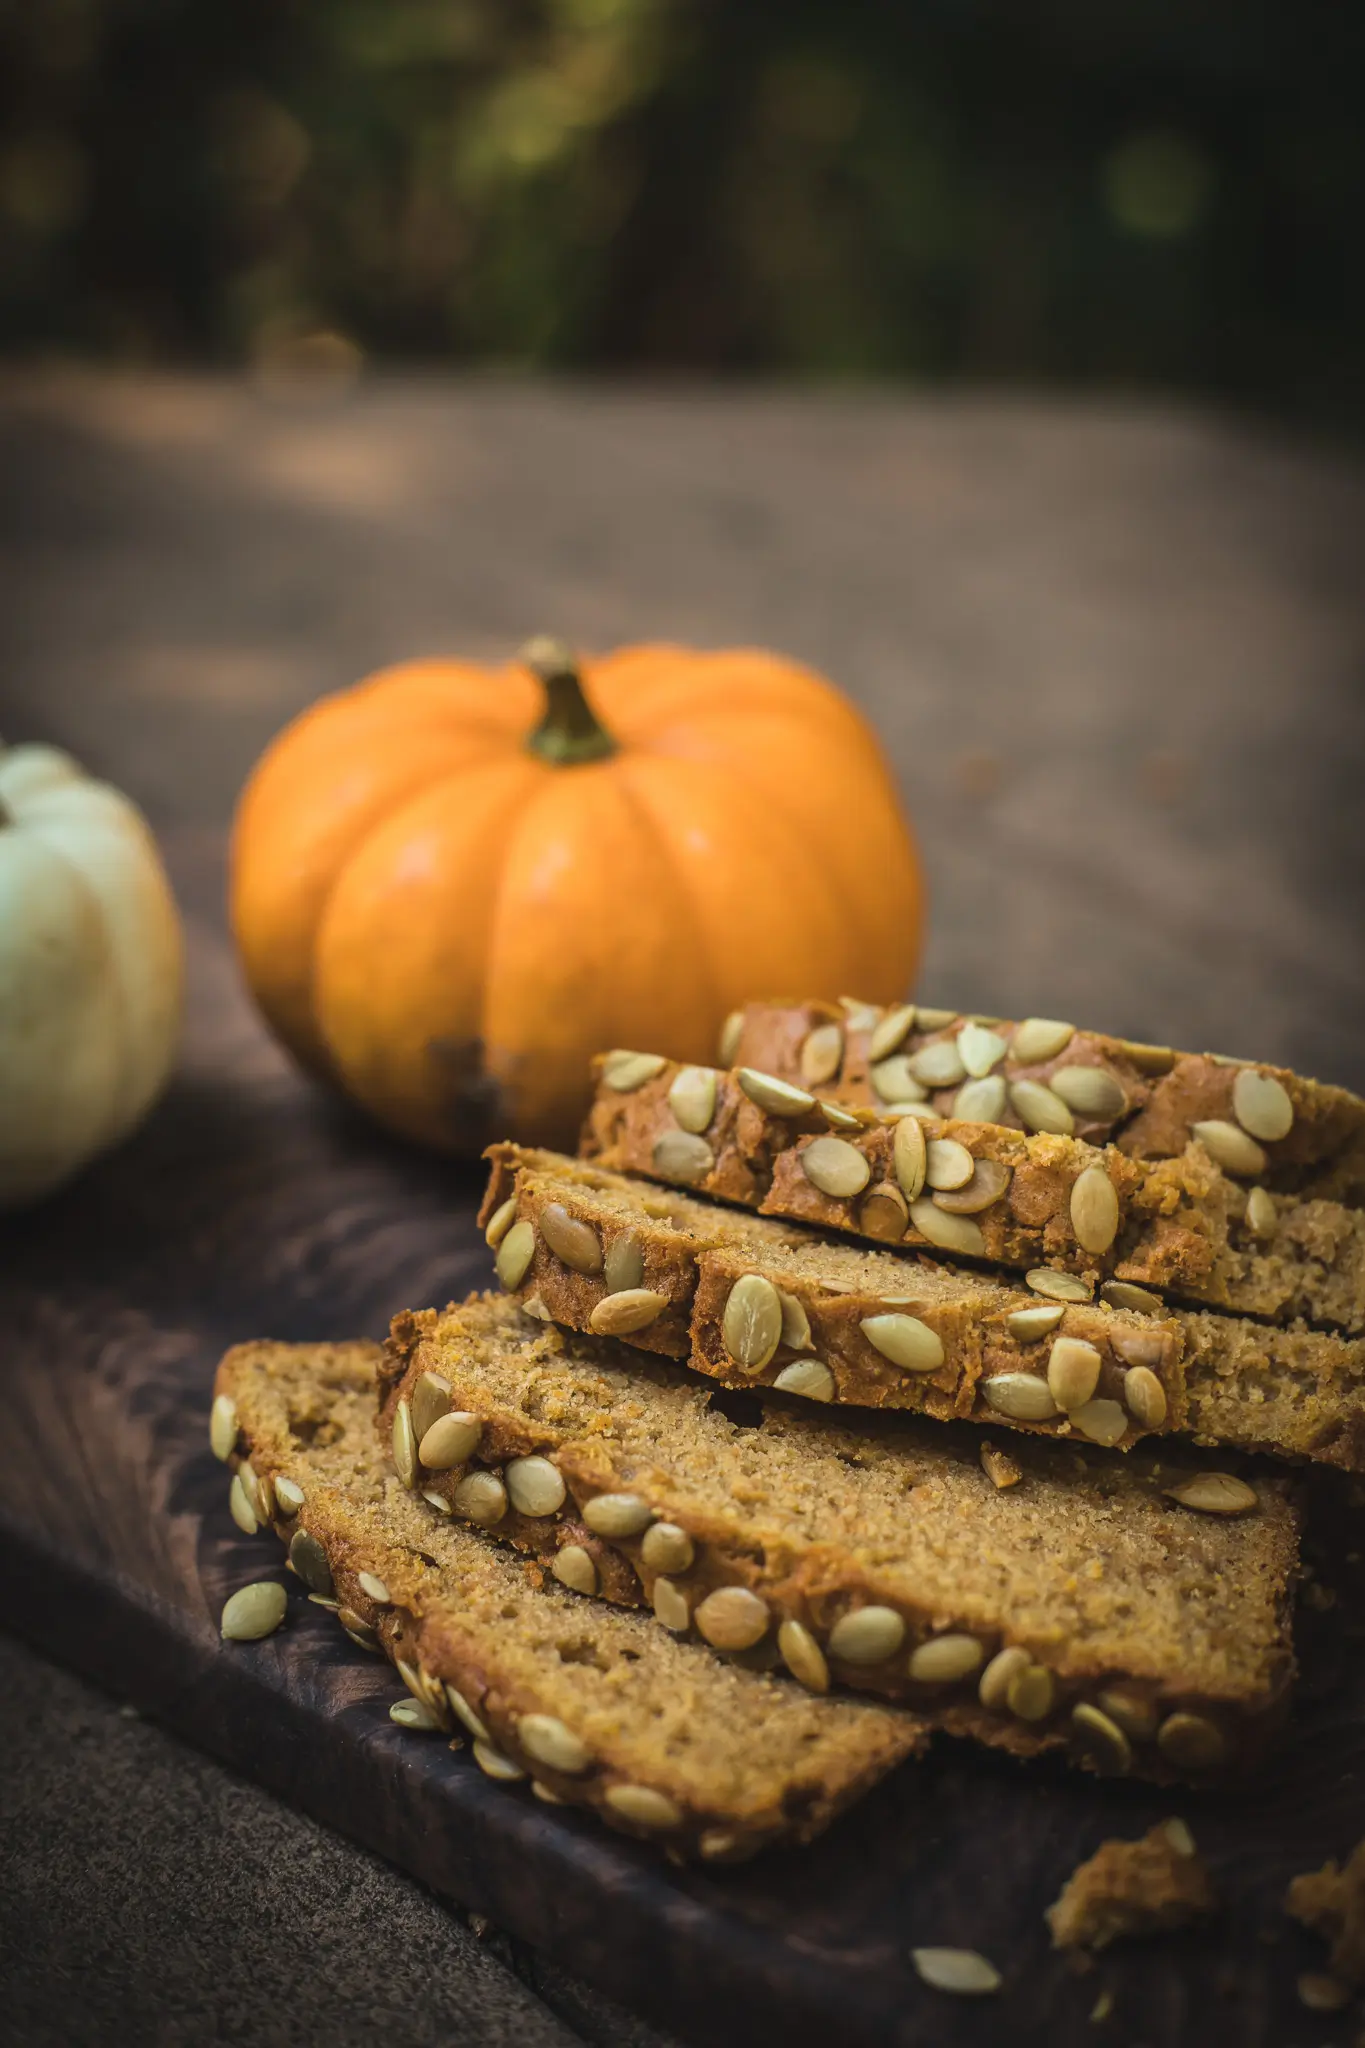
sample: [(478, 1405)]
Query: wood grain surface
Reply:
[(1116, 660)]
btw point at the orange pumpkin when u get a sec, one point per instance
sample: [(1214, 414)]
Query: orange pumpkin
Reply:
[(451, 884)]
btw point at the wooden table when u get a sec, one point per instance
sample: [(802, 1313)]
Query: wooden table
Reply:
[(1116, 658)]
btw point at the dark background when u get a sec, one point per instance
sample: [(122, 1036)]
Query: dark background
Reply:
[(1144, 193)]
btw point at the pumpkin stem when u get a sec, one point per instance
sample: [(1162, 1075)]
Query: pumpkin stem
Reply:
[(569, 732)]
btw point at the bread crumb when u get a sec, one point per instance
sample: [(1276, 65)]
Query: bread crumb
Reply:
[(1130, 1888), (1332, 1902), (999, 1467)]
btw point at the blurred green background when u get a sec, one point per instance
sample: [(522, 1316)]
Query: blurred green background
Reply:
[(1124, 195)]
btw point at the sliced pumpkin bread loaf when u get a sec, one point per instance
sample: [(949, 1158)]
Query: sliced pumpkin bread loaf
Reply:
[(1134, 1612), (751, 1301), (980, 1189), (598, 1705), (1261, 1122)]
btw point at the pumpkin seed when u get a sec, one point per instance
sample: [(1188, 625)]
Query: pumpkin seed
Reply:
[(1145, 1397), (534, 1486), (979, 1049), (615, 1515), (910, 1156), (1038, 1039), (246, 1472), (692, 1098), (959, 1970), (623, 1265), (1191, 1743), (266, 1505), (463, 1712), (1101, 1739), (1059, 1286), (480, 1498), (1005, 1665), (751, 1327), (1321, 1993), (1262, 1219), (807, 1377), (643, 1807), (1214, 1493), (1031, 1693), (667, 1548), (838, 1117), (309, 1560), (534, 1307), (500, 1222), (981, 1102), (949, 1165), (452, 1439), (430, 1400), (437, 1501), (223, 1427), (239, 1507), (892, 1080), (514, 1255), (360, 1631), (289, 1496), (795, 1322), (1091, 1091), (730, 1033), (1123, 1294), (422, 1686), (1229, 1146), (374, 1588), (923, 1111), (253, 1611), (732, 1618), (1261, 1105), (1139, 1347), (574, 1568), (821, 1051), (938, 1065), (1104, 1422), (626, 1071), (1148, 1059), (495, 1765), (803, 1656), (884, 1213), (859, 1016), (634, 1308), (945, 1660), (890, 1031), (1136, 1716), (681, 1155), (1026, 1324), (1094, 1210), (1000, 1468), (1073, 1371), (548, 1741), (1020, 1395), (779, 1098), (570, 1239), (905, 1340), (934, 1020), (950, 1233), (988, 1183), (1040, 1109), (834, 1166), (671, 1607), (867, 1635), (415, 1715)]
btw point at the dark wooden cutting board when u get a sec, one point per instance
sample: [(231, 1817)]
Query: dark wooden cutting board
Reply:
[(252, 1205)]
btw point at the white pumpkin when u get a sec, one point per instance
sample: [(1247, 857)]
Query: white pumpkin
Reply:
[(91, 970)]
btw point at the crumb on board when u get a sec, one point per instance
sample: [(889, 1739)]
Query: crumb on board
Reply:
[(1128, 1888), (1331, 1902)]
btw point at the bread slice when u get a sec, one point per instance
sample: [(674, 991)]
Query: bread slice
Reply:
[(662, 1267), (1182, 1225), (599, 1705), (1084, 1606), (1146, 1099)]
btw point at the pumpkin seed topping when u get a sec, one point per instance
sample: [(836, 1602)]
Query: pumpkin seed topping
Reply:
[(934, 1020), (692, 1098), (1137, 1717), (547, 1740), (924, 1111), (950, 1233), (751, 1327), (667, 1548), (360, 1631), (1073, 1371), (834, 1166), (905, 1340), (437, 1501), (890, 1031), (1261, 1105), (1229, 1146), (463, 1712), (535, 1486), (1123, 1294), (452, 1438), (1022, 1396), (988, 1183), (1191, 1742), (495, 1765), (626, 1071), (960, 1970), (821, 1051), (730, 1033), (867, 1635), (681, 1155), (1145, 1396), (1262, 1219), (1005, 1665), (732, 1618), (309, 1560), (795, 1322), (1104, 1422), (254, 1611), (949, 1165), (892, 1080), (239, 1507), (574, 1568), (1094, 1210), (1040, 1038), (414, 1714), (634, 1308), (289, 1496), (570, 1239), (246, 1472), (671, 1606), (1091, 1091), (429, 1402), (643, 1807), (803, 1656), (223, 1427), (615, 1515), (981, 1102), (838, 1117), (500, 1222), (1321, 1993), (1027, 1324), (1059, 1286), (1040, 1108), (374, 1588), (1148, 1059), (938, 1065), (945, 1660), (910, 1156), (778, 1098), (623, 1264), (858, 1015), (884, 1213), (1214, 1493), (1101, 1739), (807, 1377), (1031, 1693), (514, 1255), (980, 1049), (480, 1498)]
